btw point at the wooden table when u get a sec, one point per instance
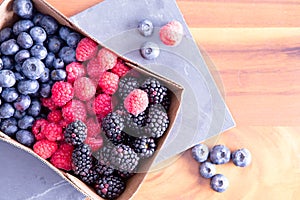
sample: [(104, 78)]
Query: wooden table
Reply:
[(253, 49)]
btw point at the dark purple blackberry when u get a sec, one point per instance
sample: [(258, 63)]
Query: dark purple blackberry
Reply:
[(91, 177), (156, 92), (103, 169), (157, 122), (103, 155), (166, 102), (109, 187), (76, 133), (125, 175), (126, 85), (112, 125), (135, 124), (123, 158), (144, 147), (82, 160)]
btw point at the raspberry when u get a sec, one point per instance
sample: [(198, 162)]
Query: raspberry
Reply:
[(95, 142), (109, 82), (73, 110), (38, 128), (86, 49), (102, 105), (54, 116), (63, 123), (120, 68), (84, 88), (48, 103), (93, 69), (136, 102), (53, 132), (107, 59), (45, 148), (62, 158), (171, 34), (62, 92), (74, 71), (93, 127)]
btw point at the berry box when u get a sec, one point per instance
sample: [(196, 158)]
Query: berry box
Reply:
[(130, 102)]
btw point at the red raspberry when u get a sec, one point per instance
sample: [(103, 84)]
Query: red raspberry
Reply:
[(93, 127), (74, 70), (62, 158), (109, 82), (86, 49), (63, 123), (73, 110), (107, 59), (45, 148), (93, 69), (94, 142), (102, 105), (120, 68), (84, 89), (171, 34), (48, 103), (62, 93), (38, 128), (54, 116), (136, 102), (53, 132)]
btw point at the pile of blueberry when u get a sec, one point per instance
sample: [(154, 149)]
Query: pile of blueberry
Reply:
[(218, 155), (33, 54)]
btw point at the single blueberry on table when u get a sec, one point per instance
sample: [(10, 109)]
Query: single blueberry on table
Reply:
[(200, 152), (5, 34), (7, 78), (64, 31), (23, 8), (73, 39), (54, 44), (45, 77), (241, 157), (9, 47), (28, 86), (49, 24), (25, 137), (150, 50), (219, 154), (9, 126), (67, 54), (38, 34), (35, 108), (207, 170), (39, 51), (33, 68), (22, 25), (21, 56), (58, 75), (6, 111), (219, 183), (146, 28), (9, 94), (25, 122), (22, 103), (58, 63), (24, 40)]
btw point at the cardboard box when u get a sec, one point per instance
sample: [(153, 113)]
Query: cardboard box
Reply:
[(8, 18)]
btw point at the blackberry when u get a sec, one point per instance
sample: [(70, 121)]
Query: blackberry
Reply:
[(104, 154), (125, 175), (82, 160), (156, 92), (123, 158), (76, 133), (112, 125), (157, 122), (109, 187), (135, 124), (126, 85), (166, 102), (103, 169), (144, 147), (91, 177)]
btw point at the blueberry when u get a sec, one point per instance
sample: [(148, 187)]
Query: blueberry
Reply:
[(19, 76), (23, 8), (145, 27), (38, 34), (22, 103), (25, 122), (7, 78), (21, 56), (19, 114), (219, 154), (9, 94), (39, 51), (58, 63), (207, 170), (6, 111), (9, 47), (219, 183), (45, 76), (58, 75), (45, 90), (67, 54), (8, 62), (49, 60), (33, 68), (1, 64), (200, 152), (54, 44), (37, 18), (149, 50), (73, 39), (9, 126), (35, 108), (24, 40), (28, 86), (64, 31), (5, 34), (241, 157), (49, 24), (25, 137), (22, 26)]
